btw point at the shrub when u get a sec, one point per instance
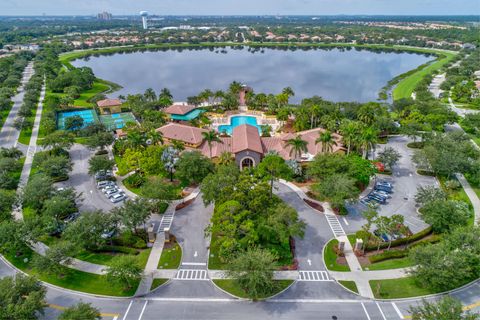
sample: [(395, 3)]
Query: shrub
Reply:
[(391, 254), (402, 241)]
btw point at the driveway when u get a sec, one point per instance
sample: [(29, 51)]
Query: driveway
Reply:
[(82, 182), (405, 181), (317, 232)]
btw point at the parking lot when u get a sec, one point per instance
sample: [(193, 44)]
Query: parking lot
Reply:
[(404, 182), (93, 197)]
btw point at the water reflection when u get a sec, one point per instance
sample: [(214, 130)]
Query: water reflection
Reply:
[(337, 74)]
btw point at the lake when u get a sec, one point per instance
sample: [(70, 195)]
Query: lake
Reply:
[(336, 74)]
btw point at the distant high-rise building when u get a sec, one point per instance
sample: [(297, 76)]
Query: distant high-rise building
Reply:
[(104, 16), (144, 15)]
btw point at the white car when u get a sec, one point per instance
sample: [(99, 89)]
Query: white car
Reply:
[(118, 197)]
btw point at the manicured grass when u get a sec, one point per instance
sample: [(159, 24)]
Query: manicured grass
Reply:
[(157, 283), (214, 261), (390, 264), (398, 288), (458, 195), (330, 257), (231, 286), (407, 85), (351, 285), (3, 116), (97, 88), (72, 279), (171, 257), (26, 134)]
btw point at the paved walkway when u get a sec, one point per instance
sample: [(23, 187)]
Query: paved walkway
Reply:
[(32, 149), (365, 276), (151, 267), (76, 264), (472, 195)]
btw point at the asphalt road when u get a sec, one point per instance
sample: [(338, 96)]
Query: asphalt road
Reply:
[(9, 134), (317, 232), (405, 181)]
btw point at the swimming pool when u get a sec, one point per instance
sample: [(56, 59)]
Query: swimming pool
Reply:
[(189, 116), (236, 121), (89, 116)]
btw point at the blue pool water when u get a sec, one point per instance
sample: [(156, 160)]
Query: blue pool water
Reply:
[(237, 121), (189, 116), (88, 117)]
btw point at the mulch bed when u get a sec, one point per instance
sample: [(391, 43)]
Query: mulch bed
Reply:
[(184, 204), (314, 205)]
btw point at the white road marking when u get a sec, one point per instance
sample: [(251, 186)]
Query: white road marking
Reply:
[(194, 264), (143, 310), (195, 254), (365, 309), (383, 315), (309, 262), (397, 310), (128, 309), (317, 276), (345, 220), (91, 191), (115, 318), (191, 274)]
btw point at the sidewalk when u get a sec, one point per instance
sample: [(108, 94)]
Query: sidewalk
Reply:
[(76, 264), (472, 196), (151, 267), (32, 149)]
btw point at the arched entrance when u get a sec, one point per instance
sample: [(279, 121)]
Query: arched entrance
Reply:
[(246, 163)]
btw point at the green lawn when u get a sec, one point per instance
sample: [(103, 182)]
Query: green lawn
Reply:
[(98, 87), (157, 283), (351, 285), (3, 116), (407, 85), (232, 287), (459, 195), (171, 257), (72, 279), (390, 264), (214, 261), (26, 133), (330, 257), (398, 288)]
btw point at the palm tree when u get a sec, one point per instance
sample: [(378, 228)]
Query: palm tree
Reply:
[(166, 93), (327, 141), (150, 95), (225, 158), (206, 95), (217, 96), (155, 137), (288, 91), (350, 133), (368, 140), (211, 136), (178, 145), (235, 87), (298, 145)]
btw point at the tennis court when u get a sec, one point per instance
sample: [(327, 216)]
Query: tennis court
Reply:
[(89, 116), (117, 120)]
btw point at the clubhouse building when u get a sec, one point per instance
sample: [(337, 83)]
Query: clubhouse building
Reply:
[(245, 143)]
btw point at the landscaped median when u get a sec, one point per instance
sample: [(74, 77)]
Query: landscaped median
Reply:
[(70, 278), (398, 288), (333, 261), (231, 286)]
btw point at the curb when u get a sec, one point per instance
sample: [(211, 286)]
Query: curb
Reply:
[(49, 285)]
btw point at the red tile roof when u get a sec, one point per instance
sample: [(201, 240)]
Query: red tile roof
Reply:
[(109, 103), (179, 109), (181, 132), (246, 137)]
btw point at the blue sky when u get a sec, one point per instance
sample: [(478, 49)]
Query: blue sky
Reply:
[(240, 7)]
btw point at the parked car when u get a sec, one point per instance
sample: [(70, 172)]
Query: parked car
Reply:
[(109, 187), (384, 183), (118, 197), (108, 234), (72, 217), (376, 198), (119, 191), (111, 192), (384, 188), (374, 193), (383, 193), (102, 184)]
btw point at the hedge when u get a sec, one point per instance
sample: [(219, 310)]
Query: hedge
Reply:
[(401, 241), (386, 255), (120, 249)]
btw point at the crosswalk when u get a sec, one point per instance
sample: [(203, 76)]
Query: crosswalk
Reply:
[(313, 276), (335, 225), (167, 220), (191, 274)]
